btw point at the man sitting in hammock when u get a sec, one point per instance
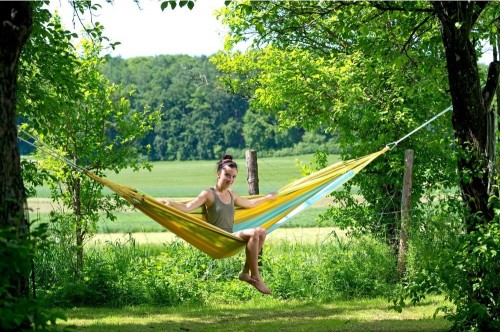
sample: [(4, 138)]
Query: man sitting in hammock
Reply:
[(219, 203)]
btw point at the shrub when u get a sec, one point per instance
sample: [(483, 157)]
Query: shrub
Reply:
[(363, 268), (354, 269), (117, 274), (444, 259)]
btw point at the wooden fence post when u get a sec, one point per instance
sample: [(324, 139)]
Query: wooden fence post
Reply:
[(405, 212), (253, 180), (252, 172)]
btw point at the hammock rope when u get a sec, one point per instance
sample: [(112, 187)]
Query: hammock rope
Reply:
[(291, 199), (395, 143), (48, 150)]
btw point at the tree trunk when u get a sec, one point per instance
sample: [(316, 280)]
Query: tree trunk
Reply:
[(80, 228), (470, 104), (405, 212), (470, 122), (15, 27), (252, 172)]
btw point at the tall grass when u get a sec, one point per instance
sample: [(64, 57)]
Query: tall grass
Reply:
[(120, 274)]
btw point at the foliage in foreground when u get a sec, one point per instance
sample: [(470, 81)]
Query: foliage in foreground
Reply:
[(19, 313), (128, 274), (445, 259)]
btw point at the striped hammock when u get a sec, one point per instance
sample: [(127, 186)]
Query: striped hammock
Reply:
[(291, 200)]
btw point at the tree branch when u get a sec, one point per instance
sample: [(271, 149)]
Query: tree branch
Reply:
[(387, 6), (477, 13), (491, 83), (412, 34)]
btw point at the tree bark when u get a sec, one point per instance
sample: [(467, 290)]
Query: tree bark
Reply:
[(470, 104), (80, 227), (470, 122), (252, 172), (15, 27), (405, 212)]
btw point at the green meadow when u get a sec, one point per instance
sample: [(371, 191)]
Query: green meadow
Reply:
[(188, 178), (138, 277), (262, 315), (183, 179)]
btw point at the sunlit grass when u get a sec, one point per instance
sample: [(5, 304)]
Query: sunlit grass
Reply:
[(265, 314)]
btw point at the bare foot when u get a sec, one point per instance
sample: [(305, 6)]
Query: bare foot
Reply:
[(247, 278), (261, 287)]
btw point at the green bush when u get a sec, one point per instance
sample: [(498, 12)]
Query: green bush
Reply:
[(355, 269), (363, 268), (477, 294), (118, 274), (444, 259)]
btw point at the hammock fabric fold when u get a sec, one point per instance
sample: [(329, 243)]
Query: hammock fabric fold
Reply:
[(291, 200)]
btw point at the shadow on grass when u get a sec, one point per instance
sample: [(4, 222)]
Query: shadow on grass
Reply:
[(343, 316)]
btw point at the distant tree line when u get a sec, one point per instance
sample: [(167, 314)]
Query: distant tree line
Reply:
[(198, 120)]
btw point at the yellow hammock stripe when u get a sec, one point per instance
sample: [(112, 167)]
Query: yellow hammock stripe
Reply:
[(220, 244)]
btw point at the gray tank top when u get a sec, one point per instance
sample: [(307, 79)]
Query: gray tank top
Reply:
[(220, 214)]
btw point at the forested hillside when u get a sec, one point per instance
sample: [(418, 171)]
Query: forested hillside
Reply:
[(198, 120)]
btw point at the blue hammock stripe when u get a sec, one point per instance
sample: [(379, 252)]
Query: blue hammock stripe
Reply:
[(295, 206), (293, 199), (316, 197), (277, 211)]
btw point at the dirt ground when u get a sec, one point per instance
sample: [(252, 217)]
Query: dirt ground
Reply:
[(41, 205), (45, 205), (296, 235)]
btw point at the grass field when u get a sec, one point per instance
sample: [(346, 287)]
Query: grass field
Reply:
[(181, 179), (133, 221), (188, 178), (261, 315)]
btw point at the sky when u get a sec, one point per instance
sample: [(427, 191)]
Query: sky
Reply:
[(149, 31)]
